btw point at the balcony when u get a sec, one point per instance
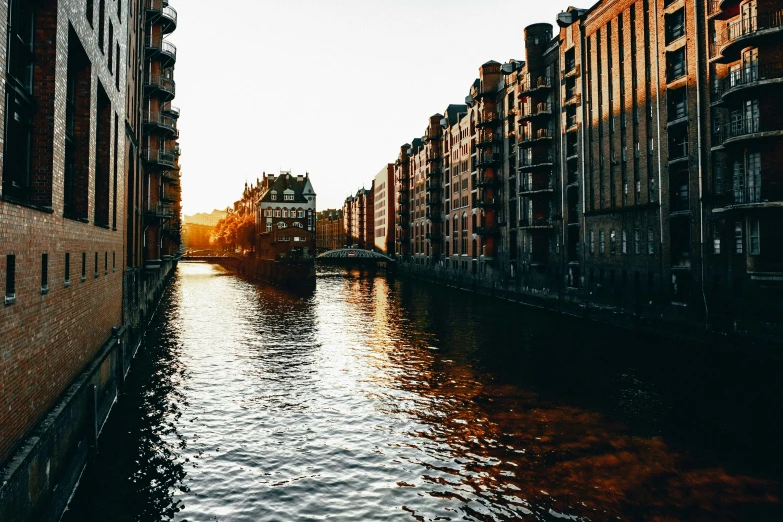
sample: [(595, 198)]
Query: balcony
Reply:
[(170, 194), (160, 12), (755, 197), (157, 121), (747, 129), (160, 210), (532, 86), (539, 110), (488, 118), (488, 160), (535, 162), (171, 176), (434, 215), (751, 76), (161, 49), (486, 231), (489, 138), (162, 159), (170, 111), (160, 86), (487, 203), (572, 69), (743, 32), (533, 223), (530, 188), (530, 138), (485, 181)]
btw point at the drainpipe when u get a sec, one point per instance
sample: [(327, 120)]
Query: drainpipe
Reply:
[(658, 126), (583, 187), (701, 185)]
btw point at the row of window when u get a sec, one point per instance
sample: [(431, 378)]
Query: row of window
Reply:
[(294, 213), (637, 246), (11, 272)]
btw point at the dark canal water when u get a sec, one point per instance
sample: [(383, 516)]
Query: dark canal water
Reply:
[(371, 399)]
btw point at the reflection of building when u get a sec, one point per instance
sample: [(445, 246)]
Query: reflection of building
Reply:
[(285, 216), (330, 230), (383, 215), (631, 159), (358, 217)]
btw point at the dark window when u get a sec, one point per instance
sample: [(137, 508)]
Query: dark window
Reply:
[(677, 103), (117, 74), (10, 279), (84, 266), (102, 24), (675, 64), (67, 269), (20, 104), (119, 10), (675, 25), (114, 261), (102, 158), (105, 262), (111, 47), (89, 11), (44, 271), (96, 264), (116, 161), (77, 130)]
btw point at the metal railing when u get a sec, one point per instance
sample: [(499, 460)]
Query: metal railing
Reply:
[(746, 127), (161, 45), (162, 210), (162, 157), (529, 185), (535, 222), (742, 195), (158, 118), (749, 74), (747, 26), (536, 160), (160, 81), (713, 7)]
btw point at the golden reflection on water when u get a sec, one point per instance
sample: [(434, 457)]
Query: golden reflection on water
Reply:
[(532, 451)]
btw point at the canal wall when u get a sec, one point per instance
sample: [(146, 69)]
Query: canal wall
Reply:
[(37, 481), (655, 315)]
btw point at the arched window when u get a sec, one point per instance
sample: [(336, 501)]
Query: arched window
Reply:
[(285, 212)]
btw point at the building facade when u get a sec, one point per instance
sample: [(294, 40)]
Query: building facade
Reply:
[(630, 162), (359, 220), (329, 230), (76, 120), (383, 215), (285, 217)]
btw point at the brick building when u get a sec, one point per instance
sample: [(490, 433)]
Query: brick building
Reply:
[(329, 230), (631, 160), (73, 204), (285, 216), (383, 215), (358, 219)]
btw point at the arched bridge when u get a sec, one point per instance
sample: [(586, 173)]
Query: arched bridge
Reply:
[(353, 255)]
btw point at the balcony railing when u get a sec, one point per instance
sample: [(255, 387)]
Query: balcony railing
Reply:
[(530, 110), (749, 26), (535, 161), (486, 230), (161, 210), (713, 7), (749, 75), (487, 181), (488, 118), (167, 13), (172, 111), (160, 120), (532, 84), (165, 158), (747, 127), (535, 223), (529, 186), (166, 48), (745, 195), (166, 85)]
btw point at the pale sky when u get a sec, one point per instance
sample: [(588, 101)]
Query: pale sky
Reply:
[(329, 87)]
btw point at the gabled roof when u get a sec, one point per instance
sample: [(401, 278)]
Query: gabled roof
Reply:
[(287, 184)]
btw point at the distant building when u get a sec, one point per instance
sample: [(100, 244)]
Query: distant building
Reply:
[(358, 218), (329, 230), (198, 228), (383, 197), (285, 216)]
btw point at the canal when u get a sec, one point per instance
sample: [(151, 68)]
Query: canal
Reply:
[(378, 399)]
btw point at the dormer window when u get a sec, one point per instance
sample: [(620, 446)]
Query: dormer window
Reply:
[(273, 197), (288, 197)]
